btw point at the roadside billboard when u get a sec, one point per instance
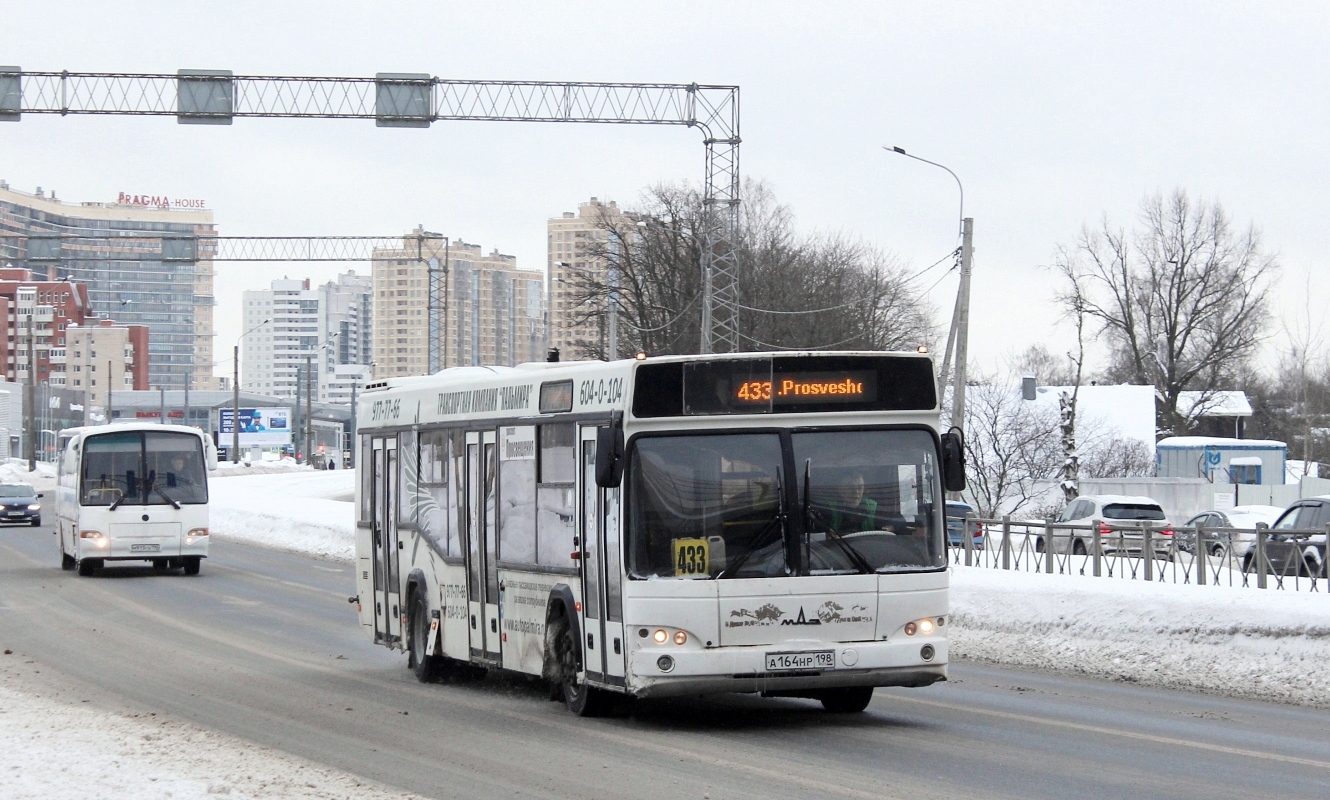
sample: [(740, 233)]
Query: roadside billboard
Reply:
[(262, 427)]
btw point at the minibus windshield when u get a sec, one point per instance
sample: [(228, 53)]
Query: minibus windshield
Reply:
[(143, 468)]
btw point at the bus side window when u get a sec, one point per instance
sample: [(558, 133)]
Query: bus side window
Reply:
[(432, 513), (517, 494), (556, 498), (408, 482)]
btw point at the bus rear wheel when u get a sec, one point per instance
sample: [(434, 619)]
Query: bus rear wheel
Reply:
[(428, 668), (582, 700), (192, 564), (848, 700)]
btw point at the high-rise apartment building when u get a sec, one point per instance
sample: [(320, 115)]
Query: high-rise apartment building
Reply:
[(99, 357), (574, 242), (492, 310), (130, 281), (291, 325), (344, 323), (49, 308)]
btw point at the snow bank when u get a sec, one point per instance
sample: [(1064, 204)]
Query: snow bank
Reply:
[(306, 510), (15, 470), (1272, 645), (123, 754), (285, 465)]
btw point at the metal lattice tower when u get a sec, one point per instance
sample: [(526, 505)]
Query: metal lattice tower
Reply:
[(217, 97)]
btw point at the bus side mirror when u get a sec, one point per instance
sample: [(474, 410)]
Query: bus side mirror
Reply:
[(609, 453), (953, 460)]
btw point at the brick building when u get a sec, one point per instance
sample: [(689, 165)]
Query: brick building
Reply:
[(50, 307)]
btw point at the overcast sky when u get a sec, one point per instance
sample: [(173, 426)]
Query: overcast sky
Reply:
[(1053, 114)]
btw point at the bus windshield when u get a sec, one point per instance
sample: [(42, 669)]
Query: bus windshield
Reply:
[(143, 468), (718, 505)]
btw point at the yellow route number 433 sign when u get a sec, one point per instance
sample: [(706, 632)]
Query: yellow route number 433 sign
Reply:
[(691, 557)]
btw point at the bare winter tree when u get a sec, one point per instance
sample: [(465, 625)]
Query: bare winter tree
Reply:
[(1012, 447), (1049, 369), (796, 292), (1182, 300)]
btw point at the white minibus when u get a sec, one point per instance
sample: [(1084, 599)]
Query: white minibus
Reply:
[(133, 492)]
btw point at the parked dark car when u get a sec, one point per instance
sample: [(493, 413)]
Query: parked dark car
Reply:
[(956, 513), (1297, 540), (18, 503)]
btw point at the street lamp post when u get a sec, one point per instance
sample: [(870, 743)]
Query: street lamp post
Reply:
[(959, 336), (235, 394)]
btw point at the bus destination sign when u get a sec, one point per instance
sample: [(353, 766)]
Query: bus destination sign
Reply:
[(823, 387)]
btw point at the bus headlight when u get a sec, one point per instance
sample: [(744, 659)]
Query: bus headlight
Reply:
[(680, 637), (95, 538), (660, 636), (193, 532), (925, 626)]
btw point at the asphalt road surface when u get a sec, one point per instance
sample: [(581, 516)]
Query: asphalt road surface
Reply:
[(264, 646)]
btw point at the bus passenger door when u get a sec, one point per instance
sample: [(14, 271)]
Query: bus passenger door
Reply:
[(387, 623), (602, 599), (482, 571)]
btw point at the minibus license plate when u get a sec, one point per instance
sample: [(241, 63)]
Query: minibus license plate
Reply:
[(145, 548), (814, 659)]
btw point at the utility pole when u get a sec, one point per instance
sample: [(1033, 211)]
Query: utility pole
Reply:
[(189, 378), (235, 406), (161, 388), (30, 400), (110, 401), (962, 324), (309, 428)]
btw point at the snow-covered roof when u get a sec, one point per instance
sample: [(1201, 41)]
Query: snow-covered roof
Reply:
[(1127, 410), (1245, 461), (1214, 404), (1220, 441)]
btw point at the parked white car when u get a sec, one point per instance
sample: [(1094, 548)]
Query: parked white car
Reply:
[(1120, 526), (1217, 543)]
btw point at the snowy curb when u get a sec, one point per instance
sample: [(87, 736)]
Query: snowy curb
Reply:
[(1269, 645), (54, 747)]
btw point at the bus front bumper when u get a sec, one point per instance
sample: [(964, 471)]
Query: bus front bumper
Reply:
[(743, 669), (134, 548)]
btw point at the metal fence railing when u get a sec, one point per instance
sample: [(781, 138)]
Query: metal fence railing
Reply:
[(1152, 551)]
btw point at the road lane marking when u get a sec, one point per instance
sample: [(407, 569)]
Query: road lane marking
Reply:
[(283, 582), (1145, 737)]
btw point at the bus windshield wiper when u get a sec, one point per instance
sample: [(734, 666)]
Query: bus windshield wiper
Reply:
[(153, 487), (776, 523), (123, 496)]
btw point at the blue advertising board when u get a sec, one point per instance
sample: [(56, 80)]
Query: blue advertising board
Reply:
[(265, 427)]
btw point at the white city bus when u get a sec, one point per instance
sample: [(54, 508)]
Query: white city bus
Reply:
[(133, 492), (762, 522)]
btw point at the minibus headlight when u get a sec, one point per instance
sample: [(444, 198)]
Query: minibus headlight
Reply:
[(910, 628), (660, 636), (197, 532), (680, 637), (35, 507), (925, 626), (95, 538)]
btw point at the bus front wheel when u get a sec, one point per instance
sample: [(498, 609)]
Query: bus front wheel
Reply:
[(87, 565), (849, 700), (192, 564), (582, 700)]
